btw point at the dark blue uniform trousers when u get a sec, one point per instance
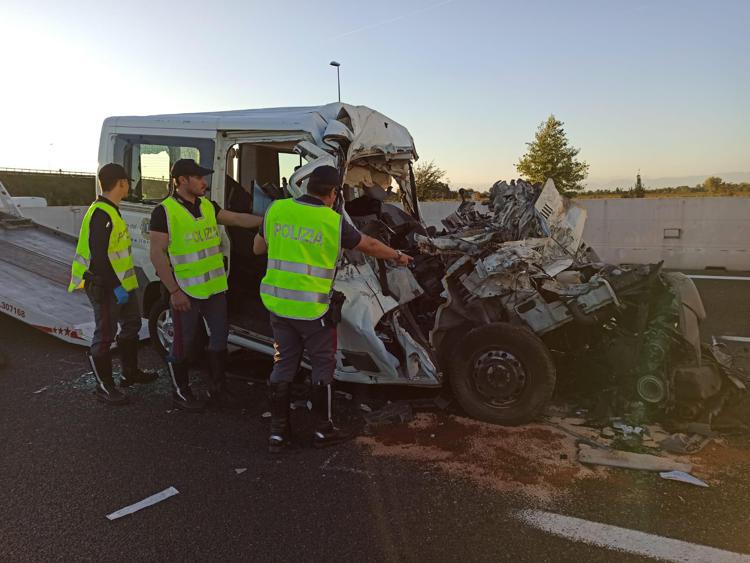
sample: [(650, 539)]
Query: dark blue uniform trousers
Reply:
[(292, 337)]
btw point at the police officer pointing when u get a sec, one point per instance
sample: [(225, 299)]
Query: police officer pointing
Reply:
[(304, 238), (103, 265), (186, 252)]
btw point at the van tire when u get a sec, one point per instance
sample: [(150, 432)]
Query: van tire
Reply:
[(160, 314), (502, 374)]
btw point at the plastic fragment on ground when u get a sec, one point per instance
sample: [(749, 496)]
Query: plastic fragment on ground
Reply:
[(392, 413), (683, 478), (240, 470), (629, 460), (145, 503)]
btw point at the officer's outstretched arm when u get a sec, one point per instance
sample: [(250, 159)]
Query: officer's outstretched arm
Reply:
[(373, 247), (259, 245), (234, 219)]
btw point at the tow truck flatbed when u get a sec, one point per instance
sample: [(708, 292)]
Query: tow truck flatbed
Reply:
[(34, 274)]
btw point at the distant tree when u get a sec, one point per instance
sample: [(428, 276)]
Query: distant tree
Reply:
[(430, 184), (713, 184), (639, 190), (550, 156)]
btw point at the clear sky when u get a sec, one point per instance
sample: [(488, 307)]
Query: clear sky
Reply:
[(657, 85)]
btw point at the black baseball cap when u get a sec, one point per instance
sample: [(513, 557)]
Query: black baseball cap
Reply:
[(110, 173), (324, 176), (188, 167)]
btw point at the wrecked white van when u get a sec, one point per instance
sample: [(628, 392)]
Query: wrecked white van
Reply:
[(488, 304), (269, 153)]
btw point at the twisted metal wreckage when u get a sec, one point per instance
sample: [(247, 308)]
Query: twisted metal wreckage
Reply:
[(501, 301), (524, 264)]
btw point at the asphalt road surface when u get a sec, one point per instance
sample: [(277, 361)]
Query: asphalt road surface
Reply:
[(67, 461)]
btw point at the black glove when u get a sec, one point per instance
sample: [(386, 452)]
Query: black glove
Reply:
[(337, 302)]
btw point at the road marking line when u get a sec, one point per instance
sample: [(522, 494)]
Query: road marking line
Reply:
[(728, 278), (736, 338), (625, 540)]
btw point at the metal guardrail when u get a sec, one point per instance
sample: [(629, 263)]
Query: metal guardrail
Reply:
[(37, 171), (65, 173)]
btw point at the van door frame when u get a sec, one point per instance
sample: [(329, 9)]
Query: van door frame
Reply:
[(224, 141)]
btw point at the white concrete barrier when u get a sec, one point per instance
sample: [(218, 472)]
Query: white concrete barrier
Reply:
[(691, 233)]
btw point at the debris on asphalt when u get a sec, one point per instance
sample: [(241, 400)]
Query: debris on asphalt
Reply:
[(266, 414), (365, 408), (588, 440), (240, 470), (629, 460), (392, 413), (607, 432), (43, 389), (145, 503), (442, 403), (534, 460), (683, 477), (344, 395), (300, 404), (684, 444), (627, 429), (574, 421)]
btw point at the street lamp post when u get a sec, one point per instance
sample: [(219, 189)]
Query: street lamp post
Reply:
[(338, 76)]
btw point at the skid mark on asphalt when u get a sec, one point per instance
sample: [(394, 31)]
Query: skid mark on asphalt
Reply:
[(625, 540)]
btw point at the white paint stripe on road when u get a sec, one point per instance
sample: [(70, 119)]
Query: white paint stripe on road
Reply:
[(625, 540), (736, 338), (726, 278)]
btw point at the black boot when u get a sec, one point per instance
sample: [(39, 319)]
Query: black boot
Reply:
[(182, 396), (106, 392), (218, 395), (129, 359), (326, 434), (279, 396)]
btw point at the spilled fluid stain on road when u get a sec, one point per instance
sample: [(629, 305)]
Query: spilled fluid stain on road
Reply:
[(534, 460)]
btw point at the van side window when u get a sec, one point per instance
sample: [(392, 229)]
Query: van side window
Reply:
[(148, 160)]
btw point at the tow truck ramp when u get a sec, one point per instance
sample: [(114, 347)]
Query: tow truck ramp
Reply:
[(34, 275)]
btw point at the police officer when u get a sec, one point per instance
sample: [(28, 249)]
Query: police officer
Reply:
[(304, 238), (186, 252), (103, 265)]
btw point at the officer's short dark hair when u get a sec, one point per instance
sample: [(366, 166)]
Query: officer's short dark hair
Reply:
[(110, 174), (322, 180)]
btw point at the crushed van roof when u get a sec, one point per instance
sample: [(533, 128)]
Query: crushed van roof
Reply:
[(370, 128)]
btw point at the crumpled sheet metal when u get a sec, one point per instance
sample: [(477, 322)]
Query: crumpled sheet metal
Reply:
[(523, 215), (514, 212)]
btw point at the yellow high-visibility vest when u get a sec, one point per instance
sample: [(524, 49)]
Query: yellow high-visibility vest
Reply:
[(304, 243), (119, 250), (195, 249)]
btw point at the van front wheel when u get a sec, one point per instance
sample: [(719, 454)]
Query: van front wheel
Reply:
[(502, 374)]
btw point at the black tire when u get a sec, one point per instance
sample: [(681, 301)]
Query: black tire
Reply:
[(159, 335), (156, 316), (502, 374)]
